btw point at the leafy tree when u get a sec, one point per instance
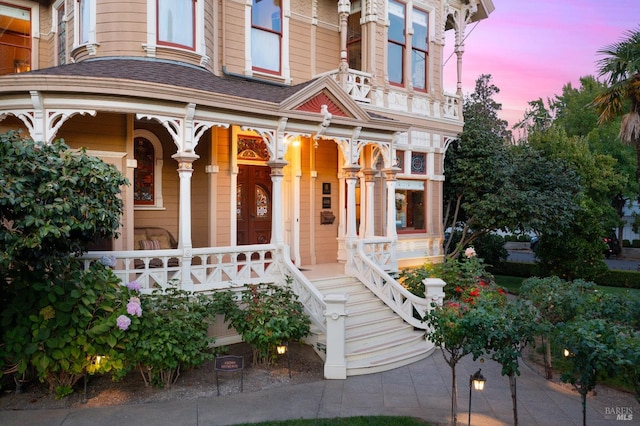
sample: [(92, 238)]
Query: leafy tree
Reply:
[(506, 329), (621, 67), (592, 347), (491, 185), (575, 248), (557, 301)]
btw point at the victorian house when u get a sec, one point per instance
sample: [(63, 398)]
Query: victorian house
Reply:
[(284, 141)]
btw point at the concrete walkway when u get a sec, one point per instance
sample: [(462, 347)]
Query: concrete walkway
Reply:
[(419, 390)]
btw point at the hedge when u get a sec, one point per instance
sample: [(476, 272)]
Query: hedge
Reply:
[(611, 278)]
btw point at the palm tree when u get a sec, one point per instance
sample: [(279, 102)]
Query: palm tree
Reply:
[(621, 66)]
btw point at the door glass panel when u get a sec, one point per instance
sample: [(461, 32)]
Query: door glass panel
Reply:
[(262, 203), (239, 202)]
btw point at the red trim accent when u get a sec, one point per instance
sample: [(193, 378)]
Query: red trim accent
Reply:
[(315, 104)]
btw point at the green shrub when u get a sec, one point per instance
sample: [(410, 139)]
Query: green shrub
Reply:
[(635, 243), (170, 335), (267, 315), (625, 279), (61, 326), (513, 269), (626, 243)]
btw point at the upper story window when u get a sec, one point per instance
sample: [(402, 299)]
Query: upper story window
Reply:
[(419, 49), (15, 39), (400, 16), (396, 42), (266, 35), (176, 23), (84, 25), (60, 30), (354, 40)]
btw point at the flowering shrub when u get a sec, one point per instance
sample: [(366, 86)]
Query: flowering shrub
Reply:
[(61, 326), (167, 332)]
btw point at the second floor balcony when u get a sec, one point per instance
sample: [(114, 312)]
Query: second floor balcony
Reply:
[(360, 86)]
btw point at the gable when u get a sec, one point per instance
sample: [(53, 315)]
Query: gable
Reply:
[(315, 103)]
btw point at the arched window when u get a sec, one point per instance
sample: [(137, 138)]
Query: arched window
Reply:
[(147, 176)]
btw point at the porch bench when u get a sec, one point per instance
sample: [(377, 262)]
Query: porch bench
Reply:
[(154, 238)]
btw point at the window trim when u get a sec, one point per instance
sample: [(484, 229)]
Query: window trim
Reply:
[(157, 169)]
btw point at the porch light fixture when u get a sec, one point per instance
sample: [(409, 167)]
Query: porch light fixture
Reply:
[(476, 381)]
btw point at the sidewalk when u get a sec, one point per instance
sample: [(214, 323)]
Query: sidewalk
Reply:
[(419, 390)]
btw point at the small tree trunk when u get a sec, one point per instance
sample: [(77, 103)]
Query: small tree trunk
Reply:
[(583, 395), (514, 398), (454, 397), (548, 369)]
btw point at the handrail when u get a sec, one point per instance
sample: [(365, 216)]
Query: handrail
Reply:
[(308, 294), (394, 295)]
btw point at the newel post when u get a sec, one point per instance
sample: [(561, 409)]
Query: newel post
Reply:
[(434, 290), (335, 364)]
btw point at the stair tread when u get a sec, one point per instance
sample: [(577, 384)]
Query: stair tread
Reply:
[(391, 356), (402, 340)]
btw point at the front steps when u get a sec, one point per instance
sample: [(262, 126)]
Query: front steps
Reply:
[(377, 339)]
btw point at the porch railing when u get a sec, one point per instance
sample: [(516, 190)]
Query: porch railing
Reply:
[(380, 251), (409, 306), (216, 268)]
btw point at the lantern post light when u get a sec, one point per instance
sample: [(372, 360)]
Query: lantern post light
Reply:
[(477, 381), (281, 349)]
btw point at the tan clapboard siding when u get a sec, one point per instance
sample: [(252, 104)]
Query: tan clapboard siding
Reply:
[(299, 50), (104, 132), (121, 27), (233, 40), (200, 196), (45, 47), (327, 49), (325, 242)]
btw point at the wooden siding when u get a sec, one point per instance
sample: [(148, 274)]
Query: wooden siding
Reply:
[(325, 238), (121, 27)]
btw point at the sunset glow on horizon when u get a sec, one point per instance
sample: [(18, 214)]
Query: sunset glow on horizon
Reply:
[(533, 49)]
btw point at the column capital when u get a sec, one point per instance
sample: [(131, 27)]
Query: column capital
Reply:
[(370, 174), (351, 172), (391, 172)]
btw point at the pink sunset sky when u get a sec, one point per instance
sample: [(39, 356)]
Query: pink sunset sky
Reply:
[(533, 48)]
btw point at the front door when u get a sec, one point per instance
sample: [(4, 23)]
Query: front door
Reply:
[(253, 205)]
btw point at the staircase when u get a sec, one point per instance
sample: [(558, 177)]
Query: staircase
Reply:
[(377, 339)]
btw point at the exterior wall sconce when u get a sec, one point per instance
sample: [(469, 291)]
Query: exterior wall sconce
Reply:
[(477, 381)]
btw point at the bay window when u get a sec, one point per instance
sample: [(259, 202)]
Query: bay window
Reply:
[(176, 23)]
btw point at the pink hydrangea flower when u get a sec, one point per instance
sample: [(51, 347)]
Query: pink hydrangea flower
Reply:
[(133, 307), (123, 322), (134, 285)]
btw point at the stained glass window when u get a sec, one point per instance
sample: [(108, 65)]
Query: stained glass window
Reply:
[(144, 174)]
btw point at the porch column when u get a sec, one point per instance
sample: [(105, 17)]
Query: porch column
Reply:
[(369, 217), (351, 178), (390, 175), (185, 171), (277, 218)]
